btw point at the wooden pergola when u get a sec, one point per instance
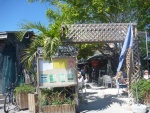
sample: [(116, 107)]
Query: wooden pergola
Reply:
[(108, 33)]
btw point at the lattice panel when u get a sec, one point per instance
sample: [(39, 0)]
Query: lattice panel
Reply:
[(133, 60), (88, 33), (136, 58)]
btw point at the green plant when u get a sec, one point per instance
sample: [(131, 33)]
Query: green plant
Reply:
[(55, 97), (24, 88), (69, 101), (143, 86)]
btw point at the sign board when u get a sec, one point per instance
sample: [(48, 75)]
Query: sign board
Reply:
[(39, 50), (60, 72)]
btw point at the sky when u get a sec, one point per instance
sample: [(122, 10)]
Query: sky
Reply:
[(15, 12)]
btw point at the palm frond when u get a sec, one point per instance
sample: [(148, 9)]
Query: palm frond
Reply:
[(29, 54), (28, 57), (50, 47), (20, 35), (48, 38), (36, 25)]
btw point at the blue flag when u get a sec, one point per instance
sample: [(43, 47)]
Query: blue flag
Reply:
[(128, 43)]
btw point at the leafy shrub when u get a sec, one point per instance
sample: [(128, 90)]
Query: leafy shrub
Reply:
[(69, 101), (24, 88), (55, 97), (143, 86)]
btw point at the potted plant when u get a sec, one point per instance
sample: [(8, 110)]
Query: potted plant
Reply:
[(21, 93), (142, 91), (55, 101)]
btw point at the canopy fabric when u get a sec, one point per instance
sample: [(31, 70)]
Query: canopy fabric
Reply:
[(128, 43)]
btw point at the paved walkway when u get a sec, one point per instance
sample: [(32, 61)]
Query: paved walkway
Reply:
[(100, 100)]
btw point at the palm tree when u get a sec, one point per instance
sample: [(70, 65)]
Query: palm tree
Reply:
[(47, 38)]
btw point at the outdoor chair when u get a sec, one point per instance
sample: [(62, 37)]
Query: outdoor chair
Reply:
[(120, 87), (107, 80)]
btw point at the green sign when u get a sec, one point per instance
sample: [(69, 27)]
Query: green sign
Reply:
[(62, 77), (52, 78), (70, 77), (43, 78)]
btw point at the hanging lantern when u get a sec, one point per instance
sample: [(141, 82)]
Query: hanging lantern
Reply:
[(95, 63)]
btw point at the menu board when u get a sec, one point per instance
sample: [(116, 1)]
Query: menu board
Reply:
[(59, 72)]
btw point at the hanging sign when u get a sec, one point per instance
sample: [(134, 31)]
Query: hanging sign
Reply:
[(95, 63)]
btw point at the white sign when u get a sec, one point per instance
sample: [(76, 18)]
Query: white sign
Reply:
[(58, 73), (3, 36)]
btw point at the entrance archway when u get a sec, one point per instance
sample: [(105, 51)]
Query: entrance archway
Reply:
[(108, 33)]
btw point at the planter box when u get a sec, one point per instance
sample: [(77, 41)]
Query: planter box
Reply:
[(32, 103), (22, 100), (147, 99), (65, 108)]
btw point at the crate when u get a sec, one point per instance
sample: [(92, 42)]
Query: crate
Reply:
[(147, 99)]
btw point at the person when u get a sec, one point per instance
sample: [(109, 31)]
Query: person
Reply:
[(83, 72), (80, 81), (146, 75), (92, 75), (120, 81), (124, 74), (86, 78), (80, 77), (119, 77)]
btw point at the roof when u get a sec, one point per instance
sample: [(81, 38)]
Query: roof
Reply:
[(4, 35)]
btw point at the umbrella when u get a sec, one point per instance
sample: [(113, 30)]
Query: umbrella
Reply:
[(97, 55)]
